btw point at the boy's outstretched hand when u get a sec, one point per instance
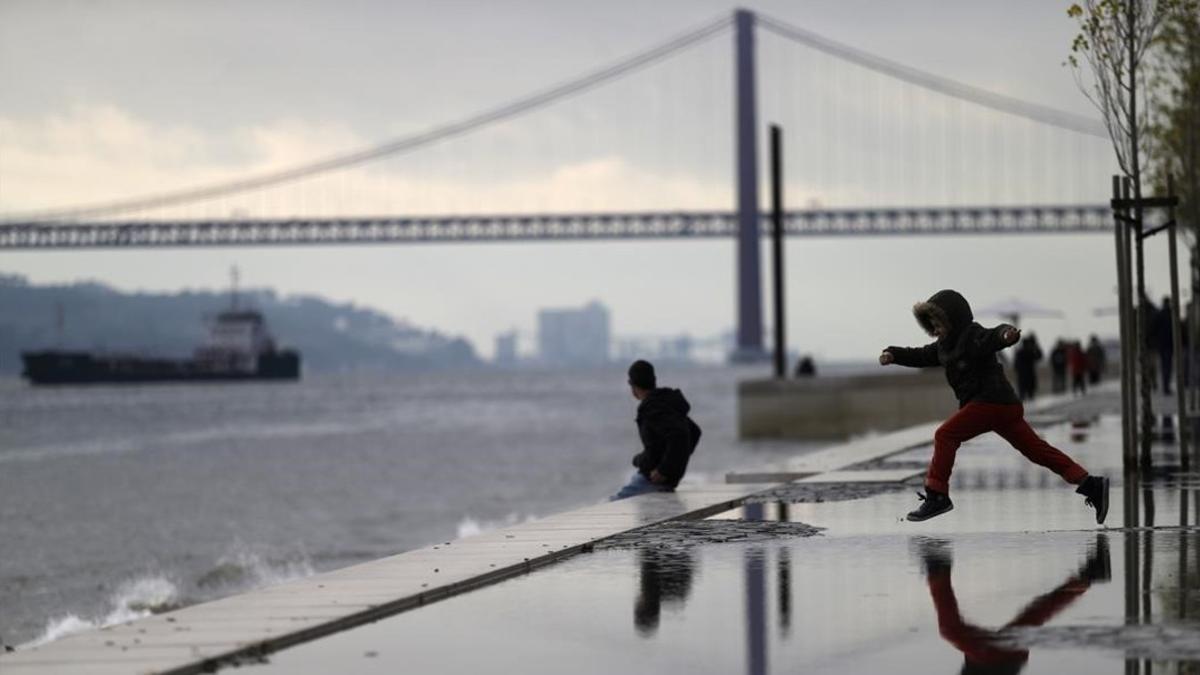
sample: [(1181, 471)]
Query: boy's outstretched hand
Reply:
[(1010, 335), (886, 358)]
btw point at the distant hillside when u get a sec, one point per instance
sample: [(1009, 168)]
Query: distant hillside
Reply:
[(330, 337)]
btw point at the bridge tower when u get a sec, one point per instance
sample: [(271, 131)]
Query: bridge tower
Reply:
[(749, 347)]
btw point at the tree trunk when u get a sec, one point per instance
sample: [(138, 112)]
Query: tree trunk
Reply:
[(1144, 365)]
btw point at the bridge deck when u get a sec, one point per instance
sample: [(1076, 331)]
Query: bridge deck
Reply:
[(550, 227)]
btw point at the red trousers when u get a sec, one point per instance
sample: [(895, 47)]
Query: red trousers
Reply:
[(1008, 421)]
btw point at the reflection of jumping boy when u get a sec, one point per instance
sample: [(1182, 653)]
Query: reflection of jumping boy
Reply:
[(991, 651), (986, 400)]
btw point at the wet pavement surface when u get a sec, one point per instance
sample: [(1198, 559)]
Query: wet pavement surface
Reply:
[(1017, 578)]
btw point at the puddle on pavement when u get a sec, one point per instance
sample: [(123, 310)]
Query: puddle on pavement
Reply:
[(1018, 578), (1052, 602)]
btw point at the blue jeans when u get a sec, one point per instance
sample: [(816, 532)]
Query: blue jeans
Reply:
[(639, 485)]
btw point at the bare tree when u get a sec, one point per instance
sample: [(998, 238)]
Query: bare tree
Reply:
[(1114, 40)]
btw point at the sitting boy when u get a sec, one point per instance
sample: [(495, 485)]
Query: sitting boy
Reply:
[(668, 435)]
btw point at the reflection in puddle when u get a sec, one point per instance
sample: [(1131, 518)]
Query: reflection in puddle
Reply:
[(664, 576), (994, 651)]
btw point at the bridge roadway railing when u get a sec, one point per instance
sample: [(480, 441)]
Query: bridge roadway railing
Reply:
[(549, 227)]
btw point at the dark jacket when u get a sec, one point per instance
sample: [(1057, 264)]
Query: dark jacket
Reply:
[(668, 435), (968, 352)]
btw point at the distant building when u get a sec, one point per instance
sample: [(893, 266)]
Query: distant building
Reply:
[(576, 337), (506, 349)]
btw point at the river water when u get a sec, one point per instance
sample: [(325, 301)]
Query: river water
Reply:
[(118, 501)]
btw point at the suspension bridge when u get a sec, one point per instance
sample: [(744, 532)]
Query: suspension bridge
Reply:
[(882, 149)]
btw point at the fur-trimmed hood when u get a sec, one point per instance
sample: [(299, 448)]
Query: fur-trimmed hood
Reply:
[(948, 307)]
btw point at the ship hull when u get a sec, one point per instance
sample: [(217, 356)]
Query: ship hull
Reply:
[(63, 367)]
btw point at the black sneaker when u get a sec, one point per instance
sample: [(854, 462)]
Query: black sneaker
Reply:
[(1095, 492), (932, 504)]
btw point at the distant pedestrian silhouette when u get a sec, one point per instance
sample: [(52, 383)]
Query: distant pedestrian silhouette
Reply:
[(1078, 364), (1097, 360), (1163, 335), (1058, 367), (1149, 321), (1028, 355)]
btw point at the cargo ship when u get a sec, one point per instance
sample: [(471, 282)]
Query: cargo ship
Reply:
[(239, 348)]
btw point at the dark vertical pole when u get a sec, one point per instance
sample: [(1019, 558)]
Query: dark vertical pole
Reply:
[(1141, 317), (1135, 21), (756, 599), (777, 248), (1131, 318), (749, 332), (1177, 335), (1184, 536), (1132, 567), (1147, 594), (1123, 319), (784, 591)]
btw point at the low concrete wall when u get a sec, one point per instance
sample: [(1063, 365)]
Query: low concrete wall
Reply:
[(839, 407)]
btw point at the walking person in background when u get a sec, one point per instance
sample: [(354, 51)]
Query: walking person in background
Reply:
[(1058, 366), (1025, 364), (1163, 334), (668, 435), (987, 402), (1097, 360), (1149, 319), (1078, 363)]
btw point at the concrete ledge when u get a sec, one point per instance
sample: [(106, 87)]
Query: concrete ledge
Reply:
[(839, 457), (841, 407)]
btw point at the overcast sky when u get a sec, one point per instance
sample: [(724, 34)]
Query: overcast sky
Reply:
[(105, 99)]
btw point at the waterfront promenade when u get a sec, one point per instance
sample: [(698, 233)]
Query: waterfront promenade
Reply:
[(738, 577)]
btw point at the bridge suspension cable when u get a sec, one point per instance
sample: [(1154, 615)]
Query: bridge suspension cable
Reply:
[(509, 110), (551, 95), (942, 85)]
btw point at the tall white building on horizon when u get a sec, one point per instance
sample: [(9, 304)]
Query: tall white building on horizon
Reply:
[(574, 337)]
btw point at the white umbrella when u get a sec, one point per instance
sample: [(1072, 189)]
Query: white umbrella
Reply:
[(1013, 309)]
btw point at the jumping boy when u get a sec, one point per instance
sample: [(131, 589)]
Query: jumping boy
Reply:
[(986, 401)]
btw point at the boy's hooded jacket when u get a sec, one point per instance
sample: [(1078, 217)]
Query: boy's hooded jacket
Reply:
[(668, 435), (967, 352)]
